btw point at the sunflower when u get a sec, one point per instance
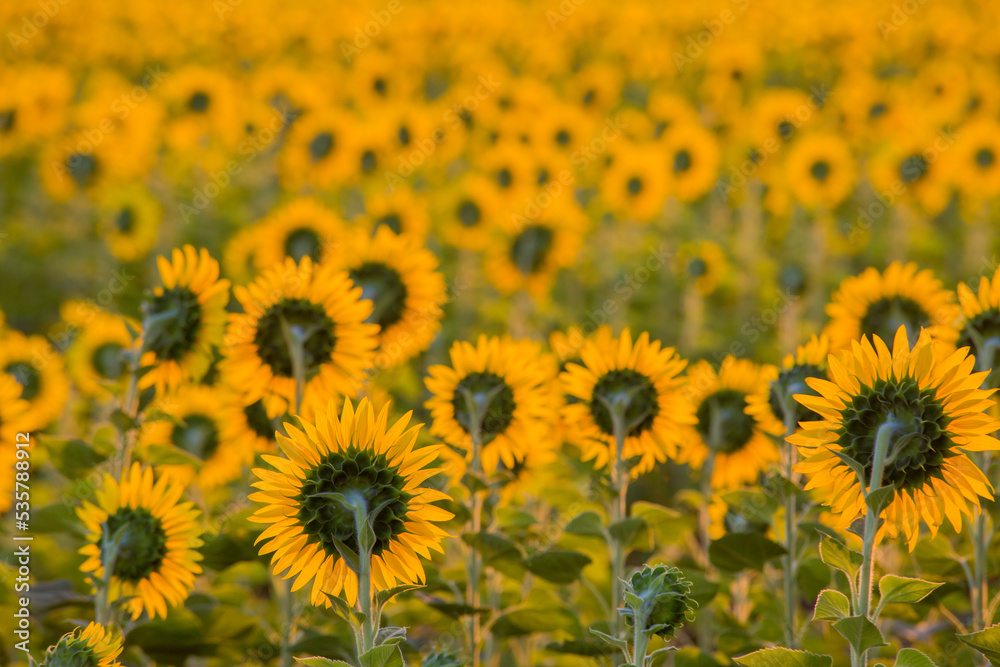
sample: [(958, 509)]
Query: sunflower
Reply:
[(203, 423), (400, 278), (911, 159), (877, 304), (502, 385), (298, 229), (692, 161), (776, 117), (95, 360), (634, 186), (529, 252), (205, 113), (156, 562), (73, 165), (14, 418), (129, 221), (641, 378), (595, 87), (40, 371), (239, 255), (976, 161), (508, 163), (930, 403), (768, 406), (979, 326), (467, 212), (95, 645), (193, 301), (319, 305), (703, 262), (738, 443), (358, 454), (821, 171), (403, 211), (318, 150)]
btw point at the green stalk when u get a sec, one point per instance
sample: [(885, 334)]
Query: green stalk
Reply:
[(791, 537), (882, 440), (640, 641), (980, 530), (619, 509), (473, 596), (295, 341)]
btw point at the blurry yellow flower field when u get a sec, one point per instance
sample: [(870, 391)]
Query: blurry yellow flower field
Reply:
[(403, 332)]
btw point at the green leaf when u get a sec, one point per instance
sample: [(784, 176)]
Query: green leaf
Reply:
[(168, 455), (836, 555), (557, 566), (783, 657), (586, 523), (585, 647), (854, 465), (985, 641), (626, 530), (387, 655), (903, 589), (860, 633), (878, 499), (743, 551), (667, 525), (703, 590), (694, 657), (382, 597), (755, 506), (493, 547), (457, 609), (609, 640), (831, 605), (911, 657), (320, 661)]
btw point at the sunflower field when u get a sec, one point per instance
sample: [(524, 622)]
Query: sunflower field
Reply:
[(504, 334)]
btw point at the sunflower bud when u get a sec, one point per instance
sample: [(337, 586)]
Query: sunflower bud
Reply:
[(658, 599)]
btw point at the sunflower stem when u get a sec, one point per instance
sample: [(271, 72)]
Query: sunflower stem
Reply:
[(704, 621), (882, 440), (791, 537), (296, 352), (472, 592), (619, 509), (640, 640)]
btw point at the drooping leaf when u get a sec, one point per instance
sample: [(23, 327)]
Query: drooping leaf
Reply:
[(586, 523), (911, 657), (320, 661), (880, 498), (903, 589), (860, 633), (626, 530), (557, 565), (387, 655), (831, 605), (743, 551), (752, 504), (986, 642), (836, 555), (783, 657)]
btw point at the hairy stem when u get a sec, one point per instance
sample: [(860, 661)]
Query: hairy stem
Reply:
[(882, 440)]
